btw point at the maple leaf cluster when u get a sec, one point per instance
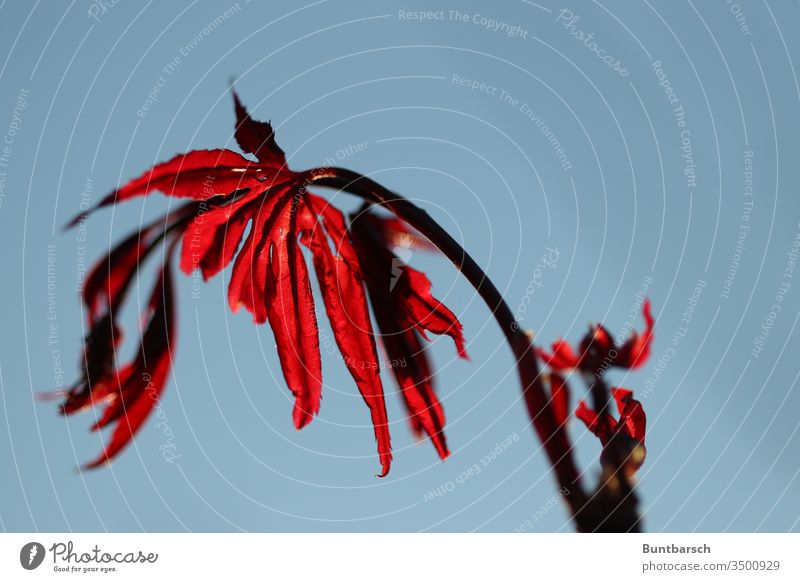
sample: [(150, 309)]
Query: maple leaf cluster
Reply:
[(354, 264)]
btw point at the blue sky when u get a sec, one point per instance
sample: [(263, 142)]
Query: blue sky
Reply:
[(652, 146)]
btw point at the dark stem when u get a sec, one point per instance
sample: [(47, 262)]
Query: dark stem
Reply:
[(601, 395), (554, 440)]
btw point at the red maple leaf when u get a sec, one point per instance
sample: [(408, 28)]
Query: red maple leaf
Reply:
[(270, 279)]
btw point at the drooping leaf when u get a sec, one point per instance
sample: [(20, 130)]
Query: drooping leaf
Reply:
[(293, 318), (346, 306), (141, 382), (411, 369), (401, 317)]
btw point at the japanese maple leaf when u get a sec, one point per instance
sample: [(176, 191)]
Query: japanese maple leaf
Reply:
[(598, 351), (228, 192), (405, 310)]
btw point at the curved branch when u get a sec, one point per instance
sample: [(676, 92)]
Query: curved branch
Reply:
[(551, 433)]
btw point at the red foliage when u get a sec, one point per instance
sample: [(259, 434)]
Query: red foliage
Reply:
[(598, 350), (628, 430), (270, 279)]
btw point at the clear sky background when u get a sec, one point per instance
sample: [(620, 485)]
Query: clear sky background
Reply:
[(631, 200)]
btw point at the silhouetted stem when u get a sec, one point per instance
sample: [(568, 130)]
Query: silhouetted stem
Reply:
[(553, 437), (601, 395)]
